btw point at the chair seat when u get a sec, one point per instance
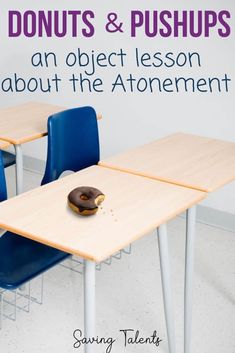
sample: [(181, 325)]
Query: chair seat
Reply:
[(22, 259), (8, 159)]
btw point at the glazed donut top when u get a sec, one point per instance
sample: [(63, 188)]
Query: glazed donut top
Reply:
[(85, 198)]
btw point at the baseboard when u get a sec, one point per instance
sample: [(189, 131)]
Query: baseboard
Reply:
[(216, 218), (205, 215)]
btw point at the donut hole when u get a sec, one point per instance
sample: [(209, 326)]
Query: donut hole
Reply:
[(84, 197)]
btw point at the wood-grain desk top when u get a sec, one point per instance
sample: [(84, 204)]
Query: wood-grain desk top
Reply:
[(4, 144), (183, 159), (26, 122), (133, 207)]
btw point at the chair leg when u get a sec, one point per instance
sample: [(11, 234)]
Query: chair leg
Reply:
[(42, 290), (32, 298), (29, 301), (17, 294), (1, 308), (40, 300), (20, 293), (14, 317), (8, 303)]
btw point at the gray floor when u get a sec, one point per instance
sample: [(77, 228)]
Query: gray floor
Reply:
[(129, 297)]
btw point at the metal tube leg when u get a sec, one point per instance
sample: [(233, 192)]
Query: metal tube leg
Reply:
[(188, 287), (14, 318), (89, 302), (19, 169), (166, 286), (1, 309), (42, 289), (29, 296)]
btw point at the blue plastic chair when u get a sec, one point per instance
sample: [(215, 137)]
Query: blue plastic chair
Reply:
[(73, 142), (8, 159), (22, 259)]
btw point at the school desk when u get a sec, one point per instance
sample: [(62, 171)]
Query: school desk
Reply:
[(133, 207), (188, 160)]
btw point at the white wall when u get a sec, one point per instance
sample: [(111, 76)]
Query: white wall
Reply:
[(131, 119)]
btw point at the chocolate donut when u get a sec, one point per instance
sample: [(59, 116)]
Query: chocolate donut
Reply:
[(85, 200)]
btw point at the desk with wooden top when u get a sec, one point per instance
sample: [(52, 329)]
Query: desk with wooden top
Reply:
[(4, 144), (43, 215), (191, 161), (24, 123)]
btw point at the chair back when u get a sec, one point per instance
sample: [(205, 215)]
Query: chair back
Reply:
[(3, 187), (73, 142)]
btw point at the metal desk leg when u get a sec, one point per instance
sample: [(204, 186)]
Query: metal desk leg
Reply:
[(19, 177), (166, 286), (188, 289), (89, 302), (19, 169)]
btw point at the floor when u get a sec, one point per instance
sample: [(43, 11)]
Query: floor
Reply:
[(129, 297)]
